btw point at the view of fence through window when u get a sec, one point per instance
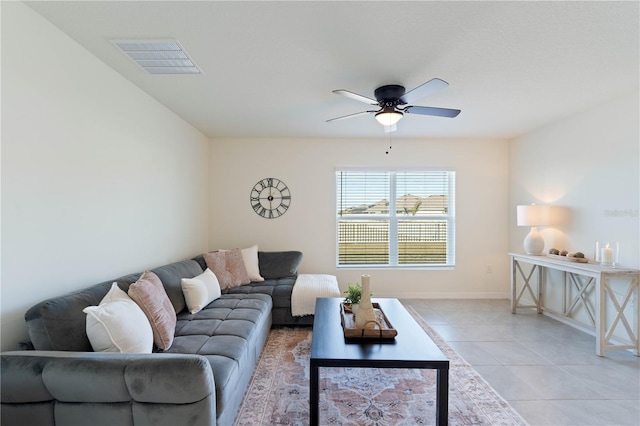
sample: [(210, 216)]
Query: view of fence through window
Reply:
[(395, 218)]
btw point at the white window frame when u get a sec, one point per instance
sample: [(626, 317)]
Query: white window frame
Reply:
[(393, 219)]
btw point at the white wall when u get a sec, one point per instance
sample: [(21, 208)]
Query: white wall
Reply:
[(98, 179), (588, 165), (307, 166)]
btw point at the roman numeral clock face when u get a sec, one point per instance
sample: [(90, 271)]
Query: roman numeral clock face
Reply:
[(270, 198)]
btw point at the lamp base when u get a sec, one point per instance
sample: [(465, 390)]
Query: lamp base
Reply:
[(533, 242)]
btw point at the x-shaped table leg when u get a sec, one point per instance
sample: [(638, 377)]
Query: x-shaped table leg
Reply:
[(620, 316), (581, 297), (527, 286)]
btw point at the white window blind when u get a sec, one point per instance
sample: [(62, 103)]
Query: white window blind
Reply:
[(395, 218)]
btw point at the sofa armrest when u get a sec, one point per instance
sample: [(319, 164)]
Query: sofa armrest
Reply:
[(51, 387)]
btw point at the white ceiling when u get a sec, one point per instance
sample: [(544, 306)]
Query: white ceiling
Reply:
[(269, 67)]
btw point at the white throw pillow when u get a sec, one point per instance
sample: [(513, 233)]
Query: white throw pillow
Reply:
[(118, 326), (115, 294), (250, 259), (200, 291)]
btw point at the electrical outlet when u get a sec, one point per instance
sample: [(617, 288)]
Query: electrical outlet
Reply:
[(488, 269)]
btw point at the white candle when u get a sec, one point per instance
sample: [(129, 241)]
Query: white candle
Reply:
[(606, 255)]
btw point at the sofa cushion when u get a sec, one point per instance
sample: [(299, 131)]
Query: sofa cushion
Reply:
[(150, 295), (279, 290), (279, 264), (228, 332), (171, 276), (59, 324), (50, 388)]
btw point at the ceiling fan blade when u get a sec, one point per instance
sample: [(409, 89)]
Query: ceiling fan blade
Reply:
[(389, 129), (425, 89), (356, 97), (439, 112), (350, 115)]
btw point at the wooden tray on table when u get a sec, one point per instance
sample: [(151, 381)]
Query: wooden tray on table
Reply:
[(383, 329), (568, 259)]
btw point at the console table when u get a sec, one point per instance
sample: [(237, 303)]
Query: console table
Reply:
[(610, 311)]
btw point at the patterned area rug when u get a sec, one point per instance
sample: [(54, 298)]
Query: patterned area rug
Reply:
[(279, 390)]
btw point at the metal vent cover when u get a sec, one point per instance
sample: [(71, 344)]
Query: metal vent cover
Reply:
[(158, 56)]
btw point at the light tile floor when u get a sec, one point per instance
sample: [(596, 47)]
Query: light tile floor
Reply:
[(548, 371)]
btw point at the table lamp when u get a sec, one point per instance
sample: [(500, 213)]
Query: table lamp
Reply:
[(533, 215)]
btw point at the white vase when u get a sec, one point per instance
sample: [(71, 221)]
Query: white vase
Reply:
[(354, 309), (366, 317)]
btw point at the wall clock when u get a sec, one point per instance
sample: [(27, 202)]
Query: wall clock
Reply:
[(270, 198)]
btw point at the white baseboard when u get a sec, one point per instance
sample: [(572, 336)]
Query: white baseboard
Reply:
[(444, 295)]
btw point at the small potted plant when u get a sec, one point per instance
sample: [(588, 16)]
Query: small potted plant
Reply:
[(352, 299), (354, 293)]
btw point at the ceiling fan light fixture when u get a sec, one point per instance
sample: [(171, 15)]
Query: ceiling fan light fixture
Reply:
[(388, 116)]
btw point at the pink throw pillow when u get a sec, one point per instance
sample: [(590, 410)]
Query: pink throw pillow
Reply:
[(228, 267), (149, 293)]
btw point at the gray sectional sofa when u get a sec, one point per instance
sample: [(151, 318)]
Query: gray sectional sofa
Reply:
[(56, 378)]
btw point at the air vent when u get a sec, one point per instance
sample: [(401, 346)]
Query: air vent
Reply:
[(158, 56)]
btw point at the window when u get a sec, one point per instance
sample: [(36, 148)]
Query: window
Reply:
[(395, 218)]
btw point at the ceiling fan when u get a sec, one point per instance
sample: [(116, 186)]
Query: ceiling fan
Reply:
[(394, 103)]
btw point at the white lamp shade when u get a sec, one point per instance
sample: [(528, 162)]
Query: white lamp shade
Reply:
[(533, 215)]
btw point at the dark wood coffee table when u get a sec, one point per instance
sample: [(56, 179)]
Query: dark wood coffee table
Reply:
[(411, 348)]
